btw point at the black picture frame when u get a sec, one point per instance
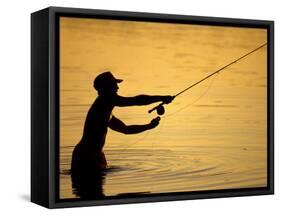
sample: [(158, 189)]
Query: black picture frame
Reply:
[(45, 105)]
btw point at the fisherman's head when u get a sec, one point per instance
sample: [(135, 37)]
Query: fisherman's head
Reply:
[(106, 83)]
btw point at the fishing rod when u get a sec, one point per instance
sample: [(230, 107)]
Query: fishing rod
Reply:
[(160, 109)]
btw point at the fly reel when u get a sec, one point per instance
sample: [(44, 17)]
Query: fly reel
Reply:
[(160, 110)]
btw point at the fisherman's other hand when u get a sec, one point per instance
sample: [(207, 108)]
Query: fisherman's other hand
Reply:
[(168, 99), (154, 122)]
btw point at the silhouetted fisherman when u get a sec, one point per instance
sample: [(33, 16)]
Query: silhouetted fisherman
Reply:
[(88, 154)]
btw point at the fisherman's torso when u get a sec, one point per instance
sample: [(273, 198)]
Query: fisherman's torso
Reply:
[(96, 122)]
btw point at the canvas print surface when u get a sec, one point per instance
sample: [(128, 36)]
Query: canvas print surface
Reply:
[(212, 136)]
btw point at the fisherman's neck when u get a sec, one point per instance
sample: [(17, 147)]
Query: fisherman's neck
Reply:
[(107, 94)]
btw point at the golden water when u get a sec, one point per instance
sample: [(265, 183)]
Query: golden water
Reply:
[(211, 137)]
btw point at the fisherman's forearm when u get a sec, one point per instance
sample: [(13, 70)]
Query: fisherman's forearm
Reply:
[(140, 100), (134, 129), (148, 99)]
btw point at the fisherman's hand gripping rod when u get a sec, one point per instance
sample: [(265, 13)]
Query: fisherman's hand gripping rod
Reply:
[(160, 109)]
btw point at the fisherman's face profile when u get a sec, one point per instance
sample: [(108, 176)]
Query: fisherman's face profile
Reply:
[(106, 84), (113, 88)]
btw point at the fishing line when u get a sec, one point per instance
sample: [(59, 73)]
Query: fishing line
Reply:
[(193, 102), (181, 109), (128, 145), (205, 92), (153, 133), (147, 133), (162, 122), (156, 133), (184, 90), (160, 109)]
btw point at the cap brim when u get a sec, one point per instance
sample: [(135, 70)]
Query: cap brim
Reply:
[(119, 80)]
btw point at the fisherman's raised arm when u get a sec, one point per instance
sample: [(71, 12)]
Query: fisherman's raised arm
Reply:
[(141, 100)]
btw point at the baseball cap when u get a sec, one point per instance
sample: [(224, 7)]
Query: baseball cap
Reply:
[(105, 79)]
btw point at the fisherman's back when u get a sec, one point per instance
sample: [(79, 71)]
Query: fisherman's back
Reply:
[(96, 123)]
